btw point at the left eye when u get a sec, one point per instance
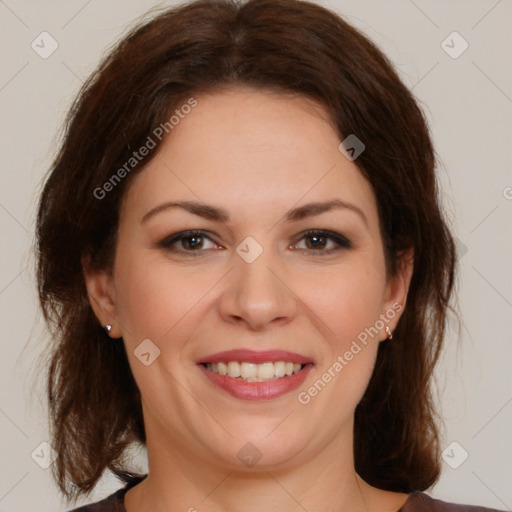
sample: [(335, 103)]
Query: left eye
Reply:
[(194, 242), (320, 238)]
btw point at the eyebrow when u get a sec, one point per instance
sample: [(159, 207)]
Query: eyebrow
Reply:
[(217, 214)]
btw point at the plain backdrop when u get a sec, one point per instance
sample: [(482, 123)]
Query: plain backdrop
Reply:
[(467, 99)]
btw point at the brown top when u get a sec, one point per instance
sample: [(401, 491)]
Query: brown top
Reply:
[(416, 502)]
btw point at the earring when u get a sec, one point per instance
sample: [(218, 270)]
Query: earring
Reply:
[(107, 328), (389, 333)]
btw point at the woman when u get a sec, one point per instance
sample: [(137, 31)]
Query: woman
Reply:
[(247, 270)]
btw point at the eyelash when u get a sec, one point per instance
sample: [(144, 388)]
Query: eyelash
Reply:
[(341, 241)]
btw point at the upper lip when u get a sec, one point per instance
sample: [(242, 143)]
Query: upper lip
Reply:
[(255, 356)]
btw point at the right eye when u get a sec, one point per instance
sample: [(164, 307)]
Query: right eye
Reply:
[(191, 242)]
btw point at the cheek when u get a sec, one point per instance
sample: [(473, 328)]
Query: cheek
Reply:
[(159, 300), (148, 299), (345, 301), (349, 311)]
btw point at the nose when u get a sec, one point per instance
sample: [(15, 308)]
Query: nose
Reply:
[(258, 294)]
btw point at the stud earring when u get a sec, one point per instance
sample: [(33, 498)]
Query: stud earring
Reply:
[(107, 328), (389, 333)]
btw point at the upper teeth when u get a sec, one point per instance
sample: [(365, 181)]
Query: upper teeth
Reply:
[(252, 372)]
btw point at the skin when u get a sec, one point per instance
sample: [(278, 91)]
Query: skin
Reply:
[(257, 155)]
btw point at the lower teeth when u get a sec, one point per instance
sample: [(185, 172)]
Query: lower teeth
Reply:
[(255, 379)]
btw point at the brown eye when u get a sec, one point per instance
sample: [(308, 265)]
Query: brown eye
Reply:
[(317, 242), (190, 241)]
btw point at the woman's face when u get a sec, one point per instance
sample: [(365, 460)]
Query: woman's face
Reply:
[(256, 168)]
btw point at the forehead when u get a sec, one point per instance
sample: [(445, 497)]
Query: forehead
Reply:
[(247, 150)]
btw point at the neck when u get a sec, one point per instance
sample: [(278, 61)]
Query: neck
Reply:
[(179, 480)]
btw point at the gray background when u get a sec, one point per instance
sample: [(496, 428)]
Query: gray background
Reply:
[(468, 103)]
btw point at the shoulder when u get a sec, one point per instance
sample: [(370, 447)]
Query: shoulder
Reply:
[(421, 502), (112, 503)]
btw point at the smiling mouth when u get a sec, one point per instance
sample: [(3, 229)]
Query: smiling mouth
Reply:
[(253, 372)]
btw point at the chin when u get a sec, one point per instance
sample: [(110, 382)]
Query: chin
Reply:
[(268, 445)]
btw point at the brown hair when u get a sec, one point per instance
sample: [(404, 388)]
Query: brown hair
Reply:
[(289, 46)]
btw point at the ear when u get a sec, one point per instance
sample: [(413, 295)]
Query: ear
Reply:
[(100, 290), (397, 289)]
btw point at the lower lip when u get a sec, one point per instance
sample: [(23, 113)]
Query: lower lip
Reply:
[(258, 390)]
